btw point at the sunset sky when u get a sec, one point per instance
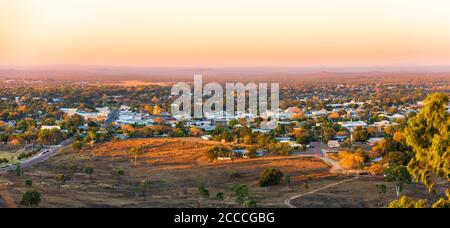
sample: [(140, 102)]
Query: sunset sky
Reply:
[(225, 33)]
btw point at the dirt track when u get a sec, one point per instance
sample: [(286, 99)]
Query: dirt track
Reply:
[(6, 197)]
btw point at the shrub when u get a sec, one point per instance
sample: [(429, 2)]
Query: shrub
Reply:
[(241, 193), (28, 183), (220, 196), (204, 192), (120, 172), (31, 198), (270, 177), (251, 204), (19, 171), (287, 179)]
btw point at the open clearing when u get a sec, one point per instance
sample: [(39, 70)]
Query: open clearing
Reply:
[(362, 193), (175, 169)]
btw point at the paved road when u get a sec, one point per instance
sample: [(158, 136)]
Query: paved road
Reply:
[(316, 151), (41, 157)]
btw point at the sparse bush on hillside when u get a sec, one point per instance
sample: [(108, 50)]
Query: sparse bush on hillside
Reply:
[(220, 196), (287, 179), (28, 182), (241, 192), (31, 198), (204, 192), (251, 204), (270, 177)]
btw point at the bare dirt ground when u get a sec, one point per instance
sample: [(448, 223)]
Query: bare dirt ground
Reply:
[(362, 193), (176, 168), (6, 200)]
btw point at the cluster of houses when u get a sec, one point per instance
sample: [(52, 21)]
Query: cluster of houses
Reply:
[(99, 115), (126, 116)]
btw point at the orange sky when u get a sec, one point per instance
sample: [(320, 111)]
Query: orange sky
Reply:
[(225, 33)]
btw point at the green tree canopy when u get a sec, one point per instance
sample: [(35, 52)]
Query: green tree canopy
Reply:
[(429, 136)]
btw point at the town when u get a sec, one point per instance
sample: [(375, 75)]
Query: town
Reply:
[(355, 128)]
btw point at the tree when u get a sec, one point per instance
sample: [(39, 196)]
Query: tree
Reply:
[(25, 124), (194, 131), (405, 202), (19, 171), (328, 134), (360, 134), (50, 137), (270, 177), (143, 188), (399, 175), (31, 198), (351, 160), (443, 203), (302, 136), (89, 171), (147, 108), (283, 149), (135, 152), (3, 160), (385, 146), (155, 100), (428, 134), (77, 146), (252, 152), (157, 110), (4, 138), (399, 137), (60, 180), (215, 152), (74, 121)]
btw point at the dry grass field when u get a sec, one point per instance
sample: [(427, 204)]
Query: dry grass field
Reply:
[(176, 168), (362, 193)]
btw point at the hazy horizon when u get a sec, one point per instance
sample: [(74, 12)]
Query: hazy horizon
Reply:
[(293, 69), (213, 33)]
